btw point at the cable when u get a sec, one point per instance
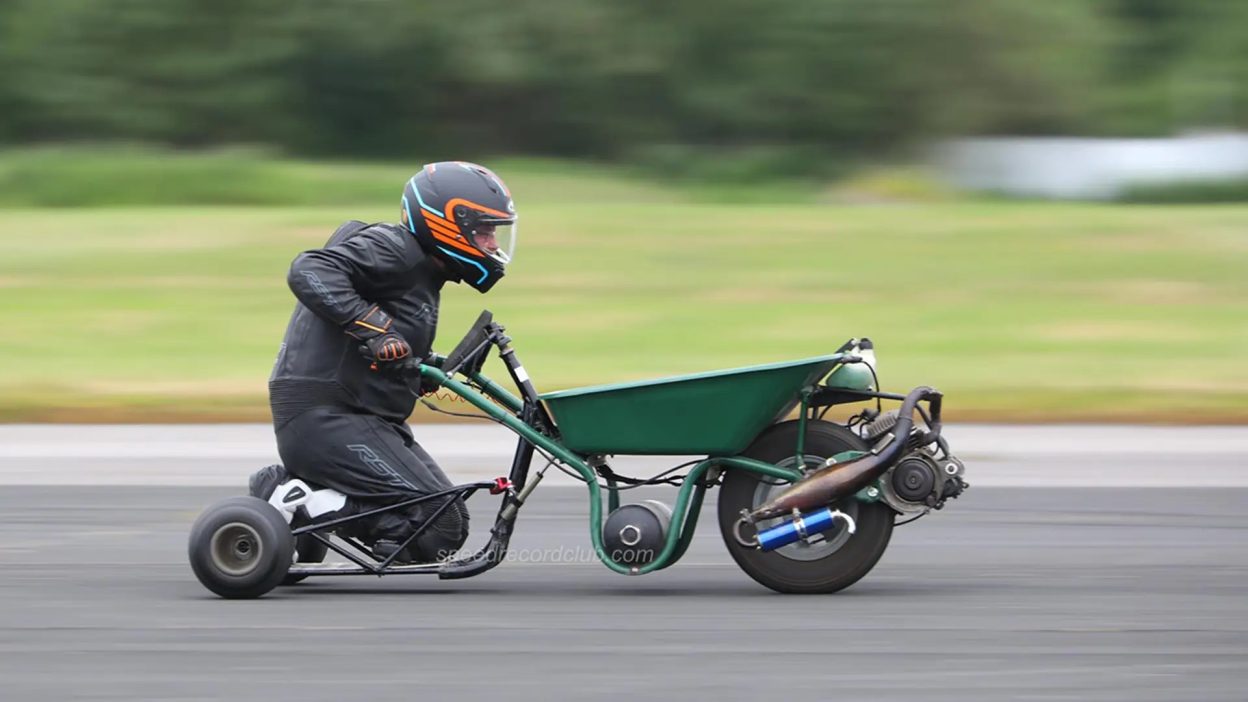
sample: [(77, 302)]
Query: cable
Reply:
[(879, 406), (875, 379), (912, 519), (856, 420), (570, 473), (552, 462), (634, 483), (466, 415)]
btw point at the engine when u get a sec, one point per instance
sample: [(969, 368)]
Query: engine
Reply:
[(920, 481), (923, 479)]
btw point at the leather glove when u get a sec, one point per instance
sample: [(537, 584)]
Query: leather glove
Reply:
[(384, 347), (387, 349), (427, 386)]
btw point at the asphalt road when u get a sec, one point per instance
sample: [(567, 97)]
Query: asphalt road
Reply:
[(1009, 593), (1006, 456)]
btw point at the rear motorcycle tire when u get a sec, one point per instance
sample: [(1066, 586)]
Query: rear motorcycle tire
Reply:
[(800, 568)]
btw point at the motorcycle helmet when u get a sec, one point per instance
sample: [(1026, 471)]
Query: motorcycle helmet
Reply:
[(462, 214)]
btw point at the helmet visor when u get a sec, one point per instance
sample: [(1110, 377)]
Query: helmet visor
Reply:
[(496, 239)]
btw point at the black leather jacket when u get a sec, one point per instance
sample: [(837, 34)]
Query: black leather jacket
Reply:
[(319, 365)]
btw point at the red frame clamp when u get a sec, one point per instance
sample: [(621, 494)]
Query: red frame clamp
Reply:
[(501, 485)]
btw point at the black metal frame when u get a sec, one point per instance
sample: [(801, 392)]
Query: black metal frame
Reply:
[(826, 397), (468, 356), (379, 566)]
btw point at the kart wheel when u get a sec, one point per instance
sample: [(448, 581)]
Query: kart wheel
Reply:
[(308, 549), (831, 562), (240, 548)]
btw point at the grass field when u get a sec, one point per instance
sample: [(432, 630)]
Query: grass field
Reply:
[(1016, 311)]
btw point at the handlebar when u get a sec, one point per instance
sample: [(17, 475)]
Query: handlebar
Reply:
[(468, 352), (469, 356)]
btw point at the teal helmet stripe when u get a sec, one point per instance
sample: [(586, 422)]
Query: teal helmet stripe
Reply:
[(484, 273), (411, 223), (421, 200)]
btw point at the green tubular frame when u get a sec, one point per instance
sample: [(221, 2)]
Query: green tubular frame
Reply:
[(801, 425), (688, 500), (613, 494), (497, 392)]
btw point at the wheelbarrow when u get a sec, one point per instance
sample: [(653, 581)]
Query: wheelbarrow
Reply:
[(805, 505)]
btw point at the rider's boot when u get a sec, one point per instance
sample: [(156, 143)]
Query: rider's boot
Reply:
[(323, 505), (437, 542), (384, 548), (264, 481), (388, 532)]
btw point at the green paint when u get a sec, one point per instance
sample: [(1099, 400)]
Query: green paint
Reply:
[(851, 376), (497, 392), (870, 493), (691, 524), (688, 499), (801, 427), (613, 495), (847, 456), (717, 413)]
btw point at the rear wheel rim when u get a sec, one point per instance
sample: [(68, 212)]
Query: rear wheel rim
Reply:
[(821, 546), (236, 548)]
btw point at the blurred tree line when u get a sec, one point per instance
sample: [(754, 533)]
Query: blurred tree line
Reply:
[(655, 81)]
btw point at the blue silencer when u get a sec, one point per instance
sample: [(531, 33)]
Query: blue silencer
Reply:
[(806, 525)]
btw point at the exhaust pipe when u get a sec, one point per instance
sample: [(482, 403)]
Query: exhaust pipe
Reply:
[(802, 527), (832, 482)]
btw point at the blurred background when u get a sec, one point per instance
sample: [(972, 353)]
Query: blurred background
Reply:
[(1040, 208)]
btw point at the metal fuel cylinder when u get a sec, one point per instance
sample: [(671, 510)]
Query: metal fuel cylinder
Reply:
[(804, 526)]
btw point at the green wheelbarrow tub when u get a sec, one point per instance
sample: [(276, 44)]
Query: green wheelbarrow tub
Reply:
[(717, 413)]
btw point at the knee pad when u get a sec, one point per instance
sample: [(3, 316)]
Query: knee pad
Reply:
[(453, 522), (442, 538), (447, 534)]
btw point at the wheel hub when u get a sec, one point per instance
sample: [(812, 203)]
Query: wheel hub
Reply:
[(236, 548), (819, 545)]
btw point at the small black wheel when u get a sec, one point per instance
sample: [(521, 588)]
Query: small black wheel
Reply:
[(308, 549), (833, 562), (241, 547)]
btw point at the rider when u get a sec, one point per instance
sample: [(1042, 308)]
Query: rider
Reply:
[(368, 301)]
